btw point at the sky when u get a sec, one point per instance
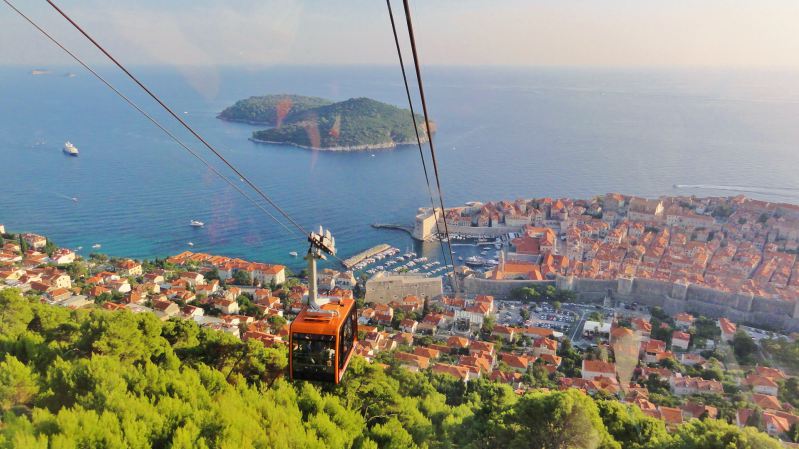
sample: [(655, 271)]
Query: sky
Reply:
[(707, 33)]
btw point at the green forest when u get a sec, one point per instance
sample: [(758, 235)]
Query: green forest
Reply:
[(100, 379), (318, 123), (266, 109)]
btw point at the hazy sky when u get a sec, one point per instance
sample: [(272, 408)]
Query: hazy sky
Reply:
[(761, 33)]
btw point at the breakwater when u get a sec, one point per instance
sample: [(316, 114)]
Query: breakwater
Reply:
[(354, 260)]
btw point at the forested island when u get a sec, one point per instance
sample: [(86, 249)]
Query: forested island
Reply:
[(316, 123), (96, 378)]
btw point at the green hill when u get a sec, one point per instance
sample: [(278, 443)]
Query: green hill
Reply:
[(100, 379), (264, 110), (354, 124)]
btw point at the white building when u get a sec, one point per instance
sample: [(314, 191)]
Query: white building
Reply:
[(62, 256), (595, 328), (593, 369), (385, 287)]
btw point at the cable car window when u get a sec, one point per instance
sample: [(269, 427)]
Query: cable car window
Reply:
[(313, 357), (347, 338)]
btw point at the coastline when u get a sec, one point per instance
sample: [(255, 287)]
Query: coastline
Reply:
[(354, 148), (246, 122)]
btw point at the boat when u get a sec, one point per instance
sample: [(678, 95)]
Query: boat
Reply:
[(70, 149), (75, 199), (475, 261), (293, 254), (190, 244), (78, 248), (96, 246), (196, 224)]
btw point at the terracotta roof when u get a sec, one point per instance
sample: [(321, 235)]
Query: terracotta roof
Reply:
[(762, 381), (426, 352), (771, 373), (453, 370), (598, 366), (413, 359), (671, 415), (515, 361), (766, 401), (681, 336)]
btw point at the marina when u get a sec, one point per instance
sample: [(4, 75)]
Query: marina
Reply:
[(408, 262), (363, 255)]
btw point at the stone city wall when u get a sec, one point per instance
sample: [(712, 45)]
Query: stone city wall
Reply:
[(499, 289), (494, 231), (675, 297)]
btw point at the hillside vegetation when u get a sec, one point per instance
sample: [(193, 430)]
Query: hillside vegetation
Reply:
[(99, 379), (265, 110), (354, 124)]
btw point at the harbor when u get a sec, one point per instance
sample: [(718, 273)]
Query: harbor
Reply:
[(351, 262)]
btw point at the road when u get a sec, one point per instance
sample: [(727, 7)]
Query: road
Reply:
[(579, 325)]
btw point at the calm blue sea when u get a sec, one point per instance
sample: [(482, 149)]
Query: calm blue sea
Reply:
[(503, 133)]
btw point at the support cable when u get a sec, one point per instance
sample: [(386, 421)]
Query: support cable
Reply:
[(429, 134), (416, 129)]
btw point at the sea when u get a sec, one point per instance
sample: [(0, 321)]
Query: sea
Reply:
[(502, 133)]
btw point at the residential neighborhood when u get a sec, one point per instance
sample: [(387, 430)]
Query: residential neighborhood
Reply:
[(674, 368)]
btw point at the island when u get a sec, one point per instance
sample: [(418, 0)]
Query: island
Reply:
[(316, 123)]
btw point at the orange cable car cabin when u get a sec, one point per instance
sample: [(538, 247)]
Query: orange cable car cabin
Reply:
[(322, 340)]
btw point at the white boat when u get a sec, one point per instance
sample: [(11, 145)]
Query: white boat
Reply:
[(293, 254), (78, 248), (190, 244), (70, 149), (75, 199), (475, 261), (96, 246), (196, 224)]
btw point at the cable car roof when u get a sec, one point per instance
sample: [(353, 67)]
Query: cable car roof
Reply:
[(307, 323)]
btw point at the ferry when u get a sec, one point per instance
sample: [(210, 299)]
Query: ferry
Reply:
[(196, 224), (70, 149)]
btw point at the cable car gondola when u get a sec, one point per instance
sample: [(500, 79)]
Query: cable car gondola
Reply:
[(323, 334)]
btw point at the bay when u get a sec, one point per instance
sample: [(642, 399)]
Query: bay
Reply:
[(503, 133)]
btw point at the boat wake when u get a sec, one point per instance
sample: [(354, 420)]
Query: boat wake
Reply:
[(788, 192)]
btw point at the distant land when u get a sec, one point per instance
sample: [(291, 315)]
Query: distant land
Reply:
[(316, 123)]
